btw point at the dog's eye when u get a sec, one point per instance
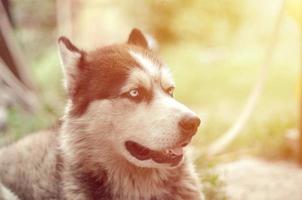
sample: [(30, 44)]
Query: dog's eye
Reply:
[(136, 94), (170, 91), (133, 93)]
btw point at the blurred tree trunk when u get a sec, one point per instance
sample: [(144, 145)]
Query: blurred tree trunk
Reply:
[(16, 85), (6, 5), (10, 53)]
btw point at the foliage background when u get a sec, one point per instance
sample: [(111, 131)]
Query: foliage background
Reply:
[(214, 49)]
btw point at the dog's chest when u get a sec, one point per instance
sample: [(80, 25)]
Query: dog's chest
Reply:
[(127, 191), (140, 185), (119, 185)]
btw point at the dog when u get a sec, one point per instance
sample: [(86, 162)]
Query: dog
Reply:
[(122, 136)]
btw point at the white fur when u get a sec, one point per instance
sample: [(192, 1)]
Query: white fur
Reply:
[(137, 78), (145, 62), (166, 79)]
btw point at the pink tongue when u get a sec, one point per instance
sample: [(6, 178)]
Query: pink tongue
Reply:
[(177, 151)]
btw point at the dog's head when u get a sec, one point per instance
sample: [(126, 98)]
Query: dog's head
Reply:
[(123, 95)]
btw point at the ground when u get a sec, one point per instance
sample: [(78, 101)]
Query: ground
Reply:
[(251, 179)]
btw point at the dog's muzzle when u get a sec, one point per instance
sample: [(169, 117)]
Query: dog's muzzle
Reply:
[(188, 126)]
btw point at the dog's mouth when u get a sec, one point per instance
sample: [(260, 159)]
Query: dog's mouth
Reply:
[(171, 156)]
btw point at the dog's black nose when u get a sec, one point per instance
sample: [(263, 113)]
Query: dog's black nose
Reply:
[(189, 124)]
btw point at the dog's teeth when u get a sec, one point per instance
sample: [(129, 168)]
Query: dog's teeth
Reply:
[(177, 151)]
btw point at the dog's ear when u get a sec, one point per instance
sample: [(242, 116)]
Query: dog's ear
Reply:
[(137, 38), (70, 60)]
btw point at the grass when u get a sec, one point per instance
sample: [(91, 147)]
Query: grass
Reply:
[(213, 186)]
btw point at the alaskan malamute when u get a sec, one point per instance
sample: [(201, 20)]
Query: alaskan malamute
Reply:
[(121, 138)]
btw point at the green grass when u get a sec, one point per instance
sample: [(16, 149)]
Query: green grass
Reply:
[(213, 186)]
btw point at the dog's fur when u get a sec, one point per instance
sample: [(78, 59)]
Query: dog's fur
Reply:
[(117, 94)]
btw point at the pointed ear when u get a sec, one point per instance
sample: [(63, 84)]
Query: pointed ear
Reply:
[(70, 59), (137, 38)]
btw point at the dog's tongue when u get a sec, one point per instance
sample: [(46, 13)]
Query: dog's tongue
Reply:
[(177, 151)]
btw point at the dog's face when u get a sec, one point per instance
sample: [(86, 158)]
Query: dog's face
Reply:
[(123, 95)]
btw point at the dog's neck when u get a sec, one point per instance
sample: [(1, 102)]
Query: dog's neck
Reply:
[(111, 174), (131, 182)]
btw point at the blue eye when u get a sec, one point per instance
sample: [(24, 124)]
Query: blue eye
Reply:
[(136, 94), (133, 93)]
